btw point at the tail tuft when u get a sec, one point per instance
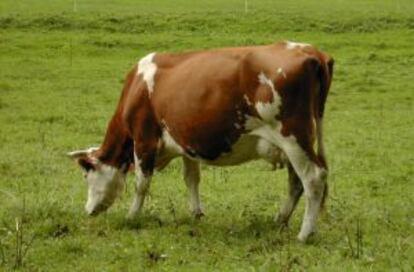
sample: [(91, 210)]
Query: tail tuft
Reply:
[(324, 196)]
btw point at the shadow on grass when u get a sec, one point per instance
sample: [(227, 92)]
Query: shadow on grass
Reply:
[(260, 231)]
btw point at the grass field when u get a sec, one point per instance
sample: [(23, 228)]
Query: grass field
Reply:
[(62, 64)]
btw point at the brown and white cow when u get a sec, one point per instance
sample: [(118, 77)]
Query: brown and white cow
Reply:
[(219, 107)]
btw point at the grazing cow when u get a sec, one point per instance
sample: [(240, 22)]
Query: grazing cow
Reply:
[(219, 107)]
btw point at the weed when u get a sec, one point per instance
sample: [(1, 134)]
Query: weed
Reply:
[(355, 240)]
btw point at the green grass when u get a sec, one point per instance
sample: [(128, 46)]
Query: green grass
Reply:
[(61, 71)]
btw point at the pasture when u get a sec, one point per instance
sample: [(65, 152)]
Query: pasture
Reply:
[(62, 64)]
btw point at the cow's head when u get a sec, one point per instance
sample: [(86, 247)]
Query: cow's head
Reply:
[(105, 182)]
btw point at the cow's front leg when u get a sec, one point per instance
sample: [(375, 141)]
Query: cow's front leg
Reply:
[(144, 165), (295, 190), (192, 180), (141, 189)]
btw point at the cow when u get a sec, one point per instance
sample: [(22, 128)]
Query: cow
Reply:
[(218, 107)]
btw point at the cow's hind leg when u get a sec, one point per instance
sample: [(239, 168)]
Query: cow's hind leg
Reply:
[(295, 190), (192, 180), (144, 159), (314, 189), (313, 179)]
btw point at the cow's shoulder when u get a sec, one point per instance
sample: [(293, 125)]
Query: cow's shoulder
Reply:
[(170, 60)]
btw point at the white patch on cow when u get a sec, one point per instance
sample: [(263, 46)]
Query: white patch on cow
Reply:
[(268, 110), (263, 79), (281, 72), (168, 148), (252, 123), (170, 145), (270, 153), (292, 45), (148, 68), (104, 185), (246, 98)]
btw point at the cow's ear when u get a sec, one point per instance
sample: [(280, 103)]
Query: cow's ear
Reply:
[(86, 164), (85, 158)]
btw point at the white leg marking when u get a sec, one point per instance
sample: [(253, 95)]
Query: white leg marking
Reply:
[(148, 68), (192, 180), (270, 153), (313, 179), (141, 189)]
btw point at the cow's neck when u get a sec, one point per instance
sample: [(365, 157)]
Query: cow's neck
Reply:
[(117, 147)]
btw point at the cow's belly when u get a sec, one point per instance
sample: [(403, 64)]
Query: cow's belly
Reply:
[(245, 149), (248, 147)]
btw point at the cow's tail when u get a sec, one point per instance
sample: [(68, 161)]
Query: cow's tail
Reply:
[(325, 77), (321, 155)]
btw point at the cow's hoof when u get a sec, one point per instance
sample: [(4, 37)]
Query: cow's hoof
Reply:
[(282, 226), (281, 222), (305, 238), (302, 238), (198, 214), (131, 216)]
